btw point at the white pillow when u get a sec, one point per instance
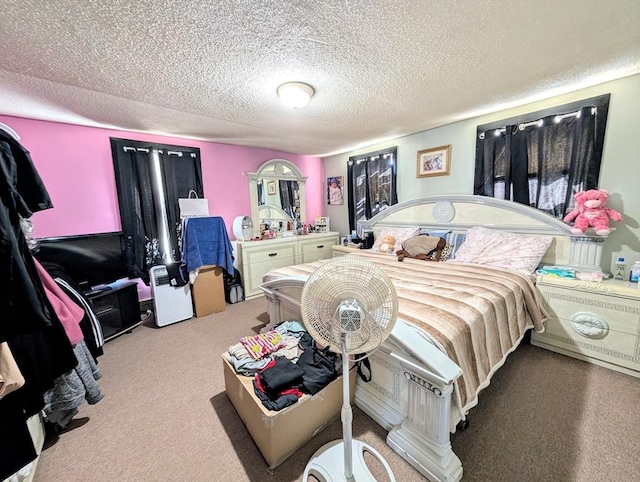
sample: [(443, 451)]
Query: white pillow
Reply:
[(515, 252), (399, 234)]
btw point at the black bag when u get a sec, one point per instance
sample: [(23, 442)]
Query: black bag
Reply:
[(232, 279), (367, 240), (233, 292)]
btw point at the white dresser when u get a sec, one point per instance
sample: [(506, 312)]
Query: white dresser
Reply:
[(595, 322), (256, 258)]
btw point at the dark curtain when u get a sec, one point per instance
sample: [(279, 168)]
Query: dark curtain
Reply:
[(180, 174), (260, 194), (543, 162), (288, 197), (372, 184), (138, 213), (139, 203)]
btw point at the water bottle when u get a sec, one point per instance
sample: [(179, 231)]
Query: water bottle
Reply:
[(634, 272), (620, 269)]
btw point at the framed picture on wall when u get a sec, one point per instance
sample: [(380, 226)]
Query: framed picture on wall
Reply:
[(434, 162), (334, 190), (271, 187)]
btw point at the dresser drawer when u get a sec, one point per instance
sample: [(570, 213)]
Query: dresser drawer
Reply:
[(614, 347), (616, 313), (258, 258), (258, 270), (254, 272), (316, 251), (269, 253), (318, 248)]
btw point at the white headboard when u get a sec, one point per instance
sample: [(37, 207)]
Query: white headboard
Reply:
[(459, 212)]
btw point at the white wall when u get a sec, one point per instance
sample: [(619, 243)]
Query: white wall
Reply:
[(620, 172)]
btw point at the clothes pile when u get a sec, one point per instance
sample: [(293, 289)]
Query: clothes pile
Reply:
[(285, 363)]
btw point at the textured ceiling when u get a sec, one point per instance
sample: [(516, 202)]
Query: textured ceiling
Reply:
[(381, 68)]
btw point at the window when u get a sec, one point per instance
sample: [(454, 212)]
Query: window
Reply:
[(542, 159), (372, 184), (150, 178)]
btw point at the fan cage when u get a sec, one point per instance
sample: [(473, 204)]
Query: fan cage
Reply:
[(347, 280)]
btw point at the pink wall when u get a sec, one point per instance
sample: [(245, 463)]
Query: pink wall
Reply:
[(76, 166)]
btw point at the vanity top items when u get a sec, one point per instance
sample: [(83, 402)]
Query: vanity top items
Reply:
[(277, 194)]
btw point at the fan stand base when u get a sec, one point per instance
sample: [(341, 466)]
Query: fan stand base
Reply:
[(327, 464)]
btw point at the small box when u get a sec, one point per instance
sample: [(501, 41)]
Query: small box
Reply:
[(208, 291), (322, 224), (280, 434)]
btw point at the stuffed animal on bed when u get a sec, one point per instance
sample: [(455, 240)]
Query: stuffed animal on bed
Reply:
[(387, 243), (591, 211), (422, 247)]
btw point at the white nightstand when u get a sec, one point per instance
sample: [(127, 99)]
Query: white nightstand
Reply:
[(595, 322)]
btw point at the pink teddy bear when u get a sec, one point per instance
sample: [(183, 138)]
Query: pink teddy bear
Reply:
[(591, 211)]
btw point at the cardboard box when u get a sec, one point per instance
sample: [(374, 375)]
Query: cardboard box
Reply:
[(208, 291), (280, 434)]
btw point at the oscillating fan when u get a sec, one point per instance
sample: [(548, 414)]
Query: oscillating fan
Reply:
[(349, 305)]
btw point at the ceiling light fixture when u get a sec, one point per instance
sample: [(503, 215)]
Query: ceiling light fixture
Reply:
[(295, 94)]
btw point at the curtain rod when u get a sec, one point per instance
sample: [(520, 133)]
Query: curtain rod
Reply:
[(143, 149), (539, 122), (372, 158)]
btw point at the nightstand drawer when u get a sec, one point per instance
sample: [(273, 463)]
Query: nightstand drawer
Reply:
[(610, 346), (618, 313), (598, 322)]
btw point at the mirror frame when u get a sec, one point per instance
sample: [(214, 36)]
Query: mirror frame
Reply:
[(296, 175)]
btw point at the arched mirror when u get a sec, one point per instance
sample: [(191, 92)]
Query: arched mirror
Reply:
[(277, 193)]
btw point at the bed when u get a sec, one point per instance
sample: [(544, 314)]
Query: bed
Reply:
[(457, 322)]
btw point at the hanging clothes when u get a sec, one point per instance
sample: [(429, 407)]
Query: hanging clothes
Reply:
[(90, 326), (69, 313), (21, 194), (70, 389), (10, 376), (28, 324), (73, 388)]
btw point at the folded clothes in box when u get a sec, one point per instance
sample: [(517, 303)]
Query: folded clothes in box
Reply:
[(278, 434)]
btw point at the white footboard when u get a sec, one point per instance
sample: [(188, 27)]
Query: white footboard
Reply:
[(410, 392)]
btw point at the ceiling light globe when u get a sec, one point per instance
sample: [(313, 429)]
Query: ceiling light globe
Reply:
[(295, 94)]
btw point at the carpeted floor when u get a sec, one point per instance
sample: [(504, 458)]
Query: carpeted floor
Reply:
[(166, 417)]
